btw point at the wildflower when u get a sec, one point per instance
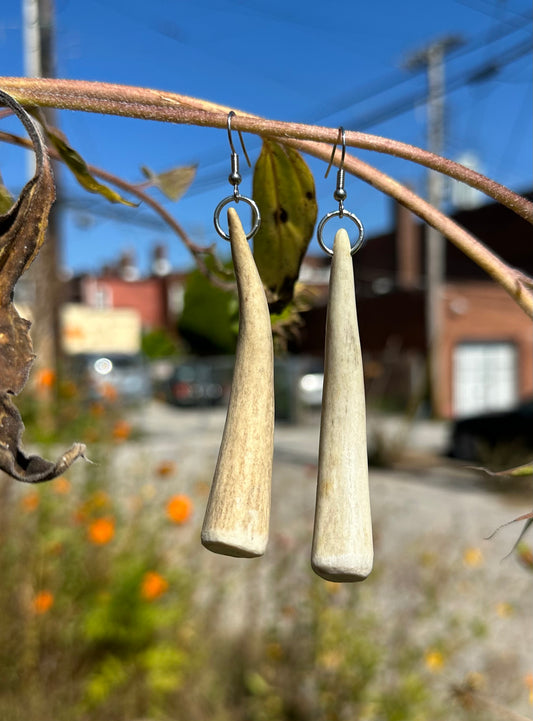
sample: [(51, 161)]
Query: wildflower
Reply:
[(148, 491), (30, 502), (109, 392), (475, 680), (121, 431), (97, 409), (332, 587), (61, 486), (99, 499), (42, 602), (473, 557), (504, 609), (46, 378), (528, 680), (179, 508), (101, 531), (434, 660), (165, 468), (153, 585), (525, 555)]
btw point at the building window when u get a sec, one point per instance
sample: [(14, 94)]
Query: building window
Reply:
[(484, 377)]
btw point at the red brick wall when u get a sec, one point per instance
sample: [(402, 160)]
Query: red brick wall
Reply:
[(146, 296), (483, 312)]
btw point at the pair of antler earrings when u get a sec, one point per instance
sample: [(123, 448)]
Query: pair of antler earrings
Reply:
[(238, 510)]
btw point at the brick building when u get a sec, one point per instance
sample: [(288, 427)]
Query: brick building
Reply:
[(486, 350)]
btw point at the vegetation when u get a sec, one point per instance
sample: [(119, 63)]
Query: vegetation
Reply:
[(110, 609)]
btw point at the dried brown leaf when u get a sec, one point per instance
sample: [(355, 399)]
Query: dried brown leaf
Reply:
[(22, 233)]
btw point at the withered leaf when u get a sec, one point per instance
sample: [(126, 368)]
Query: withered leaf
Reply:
[(22, 233), (174, 182)]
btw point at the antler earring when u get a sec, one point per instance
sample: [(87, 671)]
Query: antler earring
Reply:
[(342, 539), (238, 510)]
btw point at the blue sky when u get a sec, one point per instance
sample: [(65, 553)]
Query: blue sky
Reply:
[(307, 61)]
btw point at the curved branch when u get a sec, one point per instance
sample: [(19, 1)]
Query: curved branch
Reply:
[(165, 106), (515, 282), (197, 251), (170, 107)]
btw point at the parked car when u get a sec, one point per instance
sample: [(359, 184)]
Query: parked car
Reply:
[(195, 383), (474, 437), (310, 387), (121, 376)]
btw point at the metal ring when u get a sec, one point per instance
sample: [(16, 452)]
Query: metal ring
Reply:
[(256, 216), (344, 214)]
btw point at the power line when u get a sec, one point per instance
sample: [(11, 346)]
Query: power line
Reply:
[(477, 74)]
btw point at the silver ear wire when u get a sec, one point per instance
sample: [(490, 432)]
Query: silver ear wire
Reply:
[(235, 178), (340, 195)]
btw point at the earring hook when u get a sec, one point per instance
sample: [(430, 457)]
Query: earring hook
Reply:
[(342, 140), (235, 178), (231, 115), (340, 196)]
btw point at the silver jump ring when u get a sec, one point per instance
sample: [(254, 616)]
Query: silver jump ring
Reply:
[(256, 216), (341, 214)]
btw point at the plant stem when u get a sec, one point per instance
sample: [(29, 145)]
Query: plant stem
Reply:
[(197, 251), (149, 104), (170, 107)]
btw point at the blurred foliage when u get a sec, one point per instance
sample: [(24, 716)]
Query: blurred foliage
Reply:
[(110, 609), (209, 321), (159, 343), (76, 416)]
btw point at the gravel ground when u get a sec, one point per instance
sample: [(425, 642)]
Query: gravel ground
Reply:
[(431, 519)]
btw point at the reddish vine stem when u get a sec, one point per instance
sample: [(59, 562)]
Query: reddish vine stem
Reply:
[(515, 282), (149, 104), (170, 107), (197, 251)]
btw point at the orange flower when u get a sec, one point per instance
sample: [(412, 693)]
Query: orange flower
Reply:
[(97, 410), (46, 378), (42, 602), (109, 392), (528, 680), (30, 502), (101, 531), (179, 508), (121, 431), (165, 468), (61, 486), (153, 585)]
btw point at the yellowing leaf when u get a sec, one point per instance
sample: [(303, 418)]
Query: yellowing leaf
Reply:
[(6, 199), (284, 191), (173, 183), (78, 166)]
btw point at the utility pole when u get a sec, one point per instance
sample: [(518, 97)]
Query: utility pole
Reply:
[(432, 57), (38, 23)]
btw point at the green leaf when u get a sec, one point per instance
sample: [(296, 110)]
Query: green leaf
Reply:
[(6, 199), (78, 166), (209, 321), (284, 191), (173, 183)]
